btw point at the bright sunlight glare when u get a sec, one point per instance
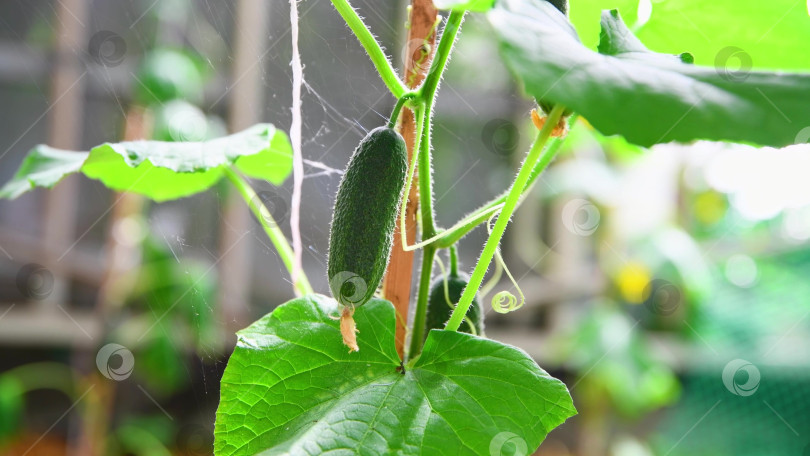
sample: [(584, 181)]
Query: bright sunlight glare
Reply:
[(763, 182)]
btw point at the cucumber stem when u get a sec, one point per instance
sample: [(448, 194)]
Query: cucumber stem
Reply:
[(512, 199), (301, 285), (453, 261), (373, 49), (392, 121)]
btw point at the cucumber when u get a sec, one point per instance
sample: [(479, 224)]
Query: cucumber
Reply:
[(365, 215), (439, 310)]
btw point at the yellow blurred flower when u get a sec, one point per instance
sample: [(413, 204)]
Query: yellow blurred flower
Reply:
[(631, 280)]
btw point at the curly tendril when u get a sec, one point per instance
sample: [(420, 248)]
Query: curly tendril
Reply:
[(504, 301), (440, 263)]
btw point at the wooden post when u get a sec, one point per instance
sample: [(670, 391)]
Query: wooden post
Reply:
[(398, 279), (65, 132), (65, 125), (245, 102)]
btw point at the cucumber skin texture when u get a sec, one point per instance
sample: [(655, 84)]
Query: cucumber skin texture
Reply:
[(365, 214), (438, 312)]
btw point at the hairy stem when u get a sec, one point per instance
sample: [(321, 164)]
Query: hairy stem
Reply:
[(512, 199), (428, 89), (369, 43), (392, 121), (427, 94), (420, 316), (428, 230), (301, 285)]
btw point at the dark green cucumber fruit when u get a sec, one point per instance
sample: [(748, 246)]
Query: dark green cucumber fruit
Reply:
[(365, 216), (439, 310)]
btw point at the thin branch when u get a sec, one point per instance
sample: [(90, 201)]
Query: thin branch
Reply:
[(301, 284), (373, 49)]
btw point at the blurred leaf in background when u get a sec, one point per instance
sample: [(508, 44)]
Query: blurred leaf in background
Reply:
[(11, 408), (166, 74), (745, 33), (609, 352)]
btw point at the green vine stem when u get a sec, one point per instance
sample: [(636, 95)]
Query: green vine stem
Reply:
[(428, 230), (429, 252), (453, 261), (427, 94), (420, 315), (512, 199), (369, 43), (392, 121), (448, 39), (301, 285)]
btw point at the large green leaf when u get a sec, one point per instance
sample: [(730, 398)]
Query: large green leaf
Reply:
[(169, 170), (647, 97), (760, 34), (161, 170), (291, 387), (43, 167), (585, 14)]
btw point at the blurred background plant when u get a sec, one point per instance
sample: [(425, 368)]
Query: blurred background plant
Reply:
[(666, 286)]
